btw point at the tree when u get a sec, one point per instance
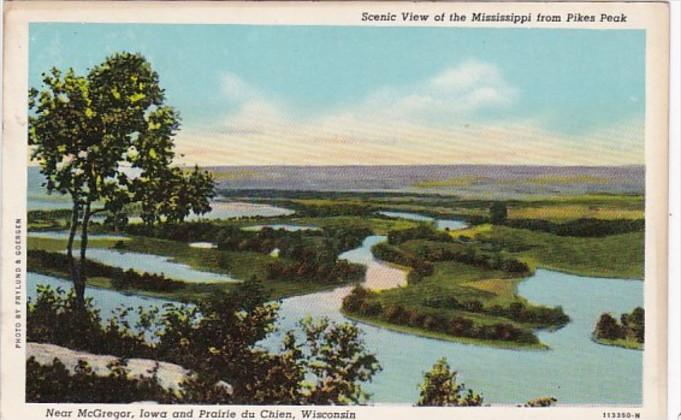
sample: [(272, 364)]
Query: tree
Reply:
[(633, 324), (439, 388), (608, 328), (498, 213), (106, 140), (636, 323), (220, 340), (336, 357)]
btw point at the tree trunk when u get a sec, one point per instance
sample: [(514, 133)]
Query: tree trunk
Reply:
[(79, 284), (73, 268)]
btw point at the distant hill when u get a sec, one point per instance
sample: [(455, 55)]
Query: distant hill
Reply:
[(466, 180), (488, 181)]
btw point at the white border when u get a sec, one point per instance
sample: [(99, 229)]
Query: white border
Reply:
[(674, 355), (296, 13)]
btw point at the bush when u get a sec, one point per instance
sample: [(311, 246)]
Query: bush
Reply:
[(608, 328), (396, 237), (359, 301), (516, 311), (217, 340), (541, 402), (55, 318), (470, 254), (370, 308), (632, 326), (53, 383), (439, 388), (585, 227), (498, 213)]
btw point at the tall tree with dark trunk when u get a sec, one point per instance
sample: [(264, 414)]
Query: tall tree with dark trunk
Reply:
[(106, 140)]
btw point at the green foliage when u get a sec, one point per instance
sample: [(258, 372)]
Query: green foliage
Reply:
[(631, 327), (439, 388), (593, 228), (417, 253), (423, 231), (541, 402), (608, 328), (364, 302), (516, 311), (306, 255), (335, 355), (610, 256), (83, 130), (54, 383), (54, 317), (498, 213), (328, 209), (218, 341), (634, 324)]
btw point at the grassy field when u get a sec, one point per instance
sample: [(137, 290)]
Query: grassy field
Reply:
[(572, 212), (620, 342), (552, 208), (465, 282), (620, 256), (380, 226)]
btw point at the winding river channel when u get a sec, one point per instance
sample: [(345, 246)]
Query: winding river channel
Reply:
[(575, 370)]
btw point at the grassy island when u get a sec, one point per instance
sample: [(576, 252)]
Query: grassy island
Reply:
[(457, 290), (628, 332)]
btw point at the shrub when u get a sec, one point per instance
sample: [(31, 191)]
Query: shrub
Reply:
[(396, 237), (585, 227), (217, 340), (439, 388), (541, 402), (632, 326), (608, 328), (55, 318), (498, 213), (53, 383)]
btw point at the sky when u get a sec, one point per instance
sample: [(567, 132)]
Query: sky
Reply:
[(341, 95)]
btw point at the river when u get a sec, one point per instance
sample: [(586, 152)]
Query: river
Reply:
[(575, 370), (443, 224)]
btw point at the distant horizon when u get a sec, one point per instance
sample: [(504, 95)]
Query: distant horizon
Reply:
[(470, 180)]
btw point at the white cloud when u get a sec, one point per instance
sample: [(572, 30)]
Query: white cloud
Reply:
[(437, 121), (235, 89), (452, 94)]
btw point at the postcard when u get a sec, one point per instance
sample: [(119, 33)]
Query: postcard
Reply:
[(363, 210)]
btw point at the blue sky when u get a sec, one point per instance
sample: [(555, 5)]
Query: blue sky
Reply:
[(340, 95)]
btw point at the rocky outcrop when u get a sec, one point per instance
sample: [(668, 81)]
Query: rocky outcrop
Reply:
[(169, 375)]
